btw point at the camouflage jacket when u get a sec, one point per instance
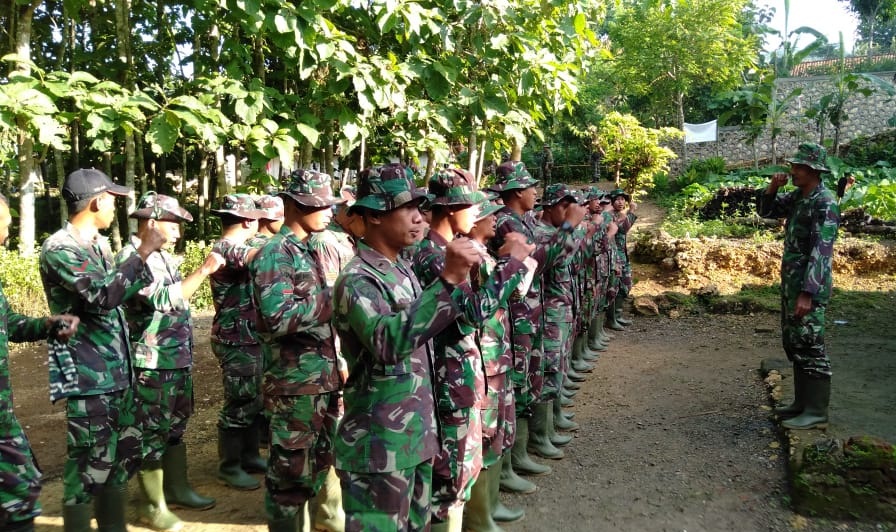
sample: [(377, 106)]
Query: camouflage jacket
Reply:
[(294, 308), (557, 281), (494, 332), (809, 236), (159, 315), (625, 224), (235, 314), (79, 278), (386, 323), (14, 327), (332, 249), (458, 363)]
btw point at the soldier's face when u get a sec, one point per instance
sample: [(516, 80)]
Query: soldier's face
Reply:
[(801, 175), (402, 226), (316, 221), (105, 210), (485, 228), (462, 220), (170, 230), (528, 197), (618, 203), (5, 220)]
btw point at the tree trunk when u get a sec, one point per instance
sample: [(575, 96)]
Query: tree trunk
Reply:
[(221, 185), (516, 152), (472, 149), (140, 166), (430, 163), (115, 230), (203, 200), (60, 181), (328, 148)]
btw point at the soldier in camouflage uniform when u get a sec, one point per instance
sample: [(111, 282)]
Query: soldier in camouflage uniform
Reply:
[(19, 476), (389, 434), (236, 345), (94, 373), (301, 384), (813, 217), (518, 193), (161, 332), (460, 380), (624, 222), (272, 220)]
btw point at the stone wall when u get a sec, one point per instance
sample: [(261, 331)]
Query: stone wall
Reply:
[(867, 116)]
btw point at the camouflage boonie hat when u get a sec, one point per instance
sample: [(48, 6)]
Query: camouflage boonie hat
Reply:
[(272, 207), (239, 205), (811, 155), (486, 209), (615, 193), (556, 193), (154, 206), (512, 175), (310, 188), (593, 193), (454, 186), (385, 188)]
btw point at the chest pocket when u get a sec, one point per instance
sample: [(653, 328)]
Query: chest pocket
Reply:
[(405, 366)]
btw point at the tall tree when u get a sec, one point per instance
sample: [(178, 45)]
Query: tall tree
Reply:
[(872, 13)]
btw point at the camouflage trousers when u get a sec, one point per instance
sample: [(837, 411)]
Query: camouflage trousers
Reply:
[(387, 502), (164, 401), (803, 338), (557, 344), (19, 476), (242, 370), (301, 450), (456, 467), (498, 418), (103, 444)]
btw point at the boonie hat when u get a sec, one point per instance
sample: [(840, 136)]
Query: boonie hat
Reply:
[(811, 155), (512, 175), (87, 183), (487, 208), (615, 193), (154, 206), (384, 188), (310, 188), (240, 205), (555, 193), (454, 186), (271, 205)]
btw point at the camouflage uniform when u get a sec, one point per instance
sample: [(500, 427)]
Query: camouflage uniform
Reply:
[(103, 437), (389, 434), (806, 266), (19, 476), (294, 306)]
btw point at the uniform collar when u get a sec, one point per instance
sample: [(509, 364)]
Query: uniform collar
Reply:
[(374, 258)]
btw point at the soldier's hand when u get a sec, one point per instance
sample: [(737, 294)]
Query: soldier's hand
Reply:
[(779, 179), (151, 239), (575, 214), (516, 246), (632, 206), (803, 304), (212, 263), (63, 326), (460, 256)]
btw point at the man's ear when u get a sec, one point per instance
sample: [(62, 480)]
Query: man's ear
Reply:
[(373, 219)]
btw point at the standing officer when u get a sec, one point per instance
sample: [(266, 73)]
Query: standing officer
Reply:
[(302, 383), (624, 222), (80, 278), (813, 217), (21, 479), (161, 332), (389, 435)]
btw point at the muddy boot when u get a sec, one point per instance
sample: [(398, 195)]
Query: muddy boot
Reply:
[(152, 510), (250, 459), (815, 412), (453, 522), (178, 492), (500, 512), (540, 426), (509, 481), (560, 421), (570, 385), (799, 397), (478, 510), (521, 460), (109, 509), (230, 470), (611, 322), (618, 305), (76, 517), (325, 508)]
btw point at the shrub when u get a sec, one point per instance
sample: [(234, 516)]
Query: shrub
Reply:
[(194, 254), (21, 283)]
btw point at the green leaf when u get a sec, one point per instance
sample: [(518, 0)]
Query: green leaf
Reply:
[(162, 135)]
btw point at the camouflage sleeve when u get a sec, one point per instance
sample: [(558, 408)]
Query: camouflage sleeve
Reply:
[(161, 297), (236, 256), (774, 205), (626, 222), (391, 335), (79, 273), (23, 328), (327, 256), (288, 306), (825, 220)]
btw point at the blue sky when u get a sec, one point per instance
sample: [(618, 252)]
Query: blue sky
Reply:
[(827, 16)]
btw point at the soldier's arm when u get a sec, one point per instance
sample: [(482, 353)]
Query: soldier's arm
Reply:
[(326, 256), (76, 271), (825, 220), (23, 328), (392, 335), (770, 204), (287, 308)]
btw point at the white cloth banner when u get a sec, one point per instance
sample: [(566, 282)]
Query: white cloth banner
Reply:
[(700, 132)]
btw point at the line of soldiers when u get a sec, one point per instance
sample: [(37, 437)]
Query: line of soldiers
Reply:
[(398, 375)]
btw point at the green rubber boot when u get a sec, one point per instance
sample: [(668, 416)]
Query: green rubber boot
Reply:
[(478, 510), (178, 492), (577, 360), (618, 305), (20, 526), (560, 421), (570, 385), (500, 513), (152, 510), (522, 462), (250, 458), (454, 522), (611, 322), (575, 376), (509, 481), (76, 517), (540, 427), (799, 397), (817, 398), (287, 524), (230, 469), (569, 394), (109, 509)]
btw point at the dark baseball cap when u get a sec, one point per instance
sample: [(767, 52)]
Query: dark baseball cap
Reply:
[(89, 182)]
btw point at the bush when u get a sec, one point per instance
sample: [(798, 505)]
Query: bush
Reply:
[(21, 283), (194, 254)]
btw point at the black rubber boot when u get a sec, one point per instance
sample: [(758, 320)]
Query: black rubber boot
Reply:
[(799, 396), (109, 509), (522, 462), (178, 492), (76, 517), (230, 470), (250, 458), (817, 399), (19, 526), (289, 524)]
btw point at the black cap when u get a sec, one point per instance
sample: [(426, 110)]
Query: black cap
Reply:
[(87, 183)]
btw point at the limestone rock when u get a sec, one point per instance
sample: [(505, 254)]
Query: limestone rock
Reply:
[(646, 306)]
